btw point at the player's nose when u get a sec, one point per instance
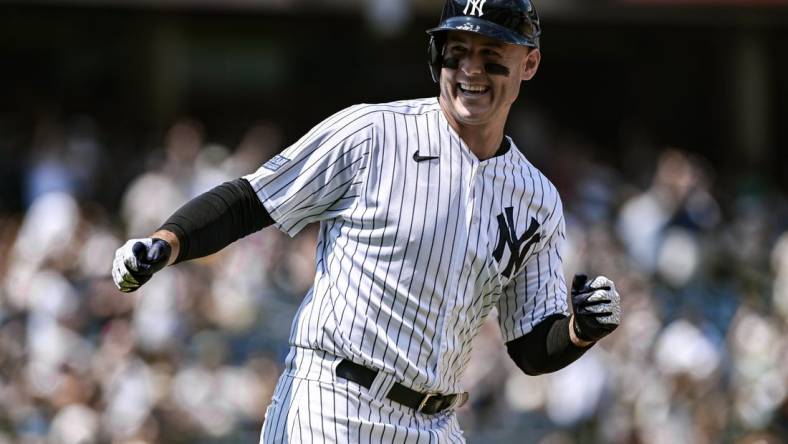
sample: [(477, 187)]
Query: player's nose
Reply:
[(472, 65)]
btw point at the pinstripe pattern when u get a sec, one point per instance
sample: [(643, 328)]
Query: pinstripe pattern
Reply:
[(405, 272)]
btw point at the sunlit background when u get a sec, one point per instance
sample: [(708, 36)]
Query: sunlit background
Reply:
[(664, 125)]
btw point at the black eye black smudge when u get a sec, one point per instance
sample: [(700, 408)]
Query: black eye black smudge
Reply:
[(496, 69)]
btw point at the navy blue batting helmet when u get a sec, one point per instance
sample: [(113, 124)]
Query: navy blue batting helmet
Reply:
[(510, 21)]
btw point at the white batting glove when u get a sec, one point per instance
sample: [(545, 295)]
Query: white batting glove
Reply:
[(137, 260), (596, 306)]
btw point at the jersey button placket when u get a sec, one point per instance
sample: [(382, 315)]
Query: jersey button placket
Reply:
[(471, 228), (455, 297), (477, 237)]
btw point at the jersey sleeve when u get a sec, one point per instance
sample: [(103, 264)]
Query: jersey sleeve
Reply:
[(312, 179), (537, 291)]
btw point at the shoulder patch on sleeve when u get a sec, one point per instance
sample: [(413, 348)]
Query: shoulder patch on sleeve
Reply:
[(276, 162)]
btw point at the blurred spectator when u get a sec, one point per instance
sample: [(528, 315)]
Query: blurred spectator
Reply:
[(657, 225), (63, 159)]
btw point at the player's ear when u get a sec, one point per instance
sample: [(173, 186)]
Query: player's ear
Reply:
[(530, 64)]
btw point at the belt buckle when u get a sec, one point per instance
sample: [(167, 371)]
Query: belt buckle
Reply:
[(423, 403)]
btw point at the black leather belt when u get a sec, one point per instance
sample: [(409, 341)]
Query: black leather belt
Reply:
[(427, 403)]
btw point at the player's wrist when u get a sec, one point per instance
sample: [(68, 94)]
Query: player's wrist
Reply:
[(172, 240), (574, 337)]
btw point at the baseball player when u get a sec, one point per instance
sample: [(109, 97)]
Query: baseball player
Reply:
[(430, 217)]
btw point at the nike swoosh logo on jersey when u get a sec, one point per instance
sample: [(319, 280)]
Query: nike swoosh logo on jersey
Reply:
[(419, 158)]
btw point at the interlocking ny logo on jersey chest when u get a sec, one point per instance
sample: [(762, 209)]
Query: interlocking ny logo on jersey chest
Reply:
[(474, 7), (519, 246)]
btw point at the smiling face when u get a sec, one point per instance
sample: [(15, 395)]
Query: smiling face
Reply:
[(481, 78)]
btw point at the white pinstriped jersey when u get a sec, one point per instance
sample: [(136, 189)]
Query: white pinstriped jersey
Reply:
[(418, 240)]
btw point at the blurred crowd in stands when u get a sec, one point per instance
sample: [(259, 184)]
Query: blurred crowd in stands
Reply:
[(701, 356)]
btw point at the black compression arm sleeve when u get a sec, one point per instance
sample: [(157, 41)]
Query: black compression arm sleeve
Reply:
[(546, 348), (217, 218)]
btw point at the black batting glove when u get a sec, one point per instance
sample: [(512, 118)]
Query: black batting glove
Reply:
[(137, 260), (596, 306)]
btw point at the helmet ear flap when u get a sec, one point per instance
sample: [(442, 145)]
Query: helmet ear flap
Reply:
[(435, 56)]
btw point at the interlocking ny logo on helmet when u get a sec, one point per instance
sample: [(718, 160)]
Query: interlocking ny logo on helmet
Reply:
[(510, 21), (475, 6)]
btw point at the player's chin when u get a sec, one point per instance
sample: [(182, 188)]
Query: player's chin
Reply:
[(473, 114)]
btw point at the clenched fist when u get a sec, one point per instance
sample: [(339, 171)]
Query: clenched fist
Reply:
[(137, 260), (596, 306)]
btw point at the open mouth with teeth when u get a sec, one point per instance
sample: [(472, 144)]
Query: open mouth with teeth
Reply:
[(473, 90)]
